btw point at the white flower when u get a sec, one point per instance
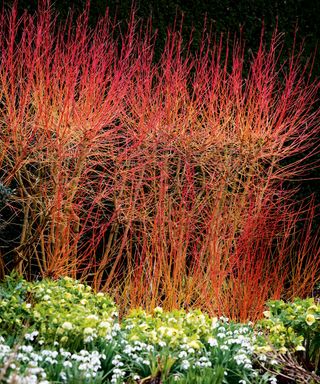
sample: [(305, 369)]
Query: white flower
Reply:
[(104, 324), (26, 348), (212, 342), (31, 336), (262, 357), (182, 354), (185, 364), (116, 327), (67, 325), (224, 347)]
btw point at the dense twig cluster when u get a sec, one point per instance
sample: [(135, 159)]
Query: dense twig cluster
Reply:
[(159, 182)]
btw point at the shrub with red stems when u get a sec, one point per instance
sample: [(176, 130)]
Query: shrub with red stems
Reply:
[(159, 182)]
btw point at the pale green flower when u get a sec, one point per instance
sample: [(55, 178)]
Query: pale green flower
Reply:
[(194, 344), (310, 319), (300, 348)]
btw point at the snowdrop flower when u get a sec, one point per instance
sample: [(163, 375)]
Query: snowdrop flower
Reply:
[(182, 354), (212, 342), (185, 364), (224, 347), (26, 348), (116, 327), (64, 353), (31, 336), (67, 364)]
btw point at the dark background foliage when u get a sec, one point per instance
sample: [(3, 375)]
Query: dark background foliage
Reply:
[(226, 16)]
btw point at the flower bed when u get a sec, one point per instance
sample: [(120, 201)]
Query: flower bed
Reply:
[(61, 331)]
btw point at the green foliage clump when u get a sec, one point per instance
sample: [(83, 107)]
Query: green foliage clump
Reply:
[(63, 311), (62, 331), (293, 326)]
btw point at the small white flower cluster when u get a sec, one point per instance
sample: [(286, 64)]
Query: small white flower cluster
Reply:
[(28, 366), (30, 376), (240, 341), (31, 336), (88, 362), (118, 371), (133, 354), (26, 357), (203, 362), (89, 334)]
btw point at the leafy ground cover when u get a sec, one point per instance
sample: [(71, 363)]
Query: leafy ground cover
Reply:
[(62, 332)]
